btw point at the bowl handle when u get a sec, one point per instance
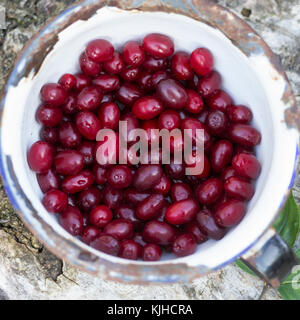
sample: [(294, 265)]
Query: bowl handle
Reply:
[(271, 258)]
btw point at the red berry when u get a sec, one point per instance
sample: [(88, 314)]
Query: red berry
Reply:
[(158, 45), (202, 61), (55, 201), (99, 50), (40, 157)]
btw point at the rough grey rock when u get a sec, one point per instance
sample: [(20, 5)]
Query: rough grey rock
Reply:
[(30, 271)]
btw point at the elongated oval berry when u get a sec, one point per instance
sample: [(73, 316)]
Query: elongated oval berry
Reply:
[(133, 53), (147, 108), (106, 243), (239, 114), (209, 191), (182, 211), (221, 155), (49, 116), (209, 84), (184, 245), (53, 94), (100, 216), (239, 188), (107, 83), (55, 201), (202, 61), (150, 207), (230, 213), (120, 229), (40, 157), (244, 135), (207, 224), (147, 176), (158, 45), (115, 65), (88, 124), (159, 232), (68, 162), (72, 221), (99, 50), (219, 100), (77, 182), (180, 66), (151, 252), (109, 115), (48, 180), (246, 165), (89, 98), (130, 249)]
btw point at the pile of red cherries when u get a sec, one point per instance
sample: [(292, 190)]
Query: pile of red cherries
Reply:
[(137, 211)]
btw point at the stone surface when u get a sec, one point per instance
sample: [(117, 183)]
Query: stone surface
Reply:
[(30, 271)]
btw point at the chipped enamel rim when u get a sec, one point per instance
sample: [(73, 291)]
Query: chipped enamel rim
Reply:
[(249, 47)]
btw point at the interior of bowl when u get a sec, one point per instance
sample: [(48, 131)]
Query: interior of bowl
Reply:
[(249, 80)]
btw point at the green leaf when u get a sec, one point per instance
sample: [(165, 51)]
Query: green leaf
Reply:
[(288, 223), (290, 287)]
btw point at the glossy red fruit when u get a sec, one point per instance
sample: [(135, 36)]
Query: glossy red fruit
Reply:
[(228, 172), (172, 93), (48, 181), (133, 53), (246, 165), (206, 166), (100, 216), (70, 106), (169, 120), (209, 84), (180, 66), (49, 134), (130, 249), (239, 188), (107, 83), (119, 176), (193, 229), (159, 232), (221, 154), (147, 176), (88, 66), (158, 45), (184, 245), (180, 191), (89, 234), (219, 100), (153, 65), (194, 102), (159, 76), (120, 229), (230, 213), (89, 98), (78, 182), (72, 221), (88, 124), (216, 122), (53, 94), (107, 244), (144, 81), (244, 135), (89, 198), (68, 162), (112, 197), (87, 149), (151, 252), (40, 157), (128, 93), (55, 201), (182, 212), (68, 134), (109, 115), (239, 114), (99, 50), (164, 186), (134, 197), (130, 74), (207, 224), (150, 207), (209, 191), (202, 61), (115, 65), (49, 116), (127, 212), (67, 81), (99, 174), (81, 81), (147, 107)]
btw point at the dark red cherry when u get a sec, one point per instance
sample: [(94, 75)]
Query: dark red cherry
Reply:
[(48, 181), (77, 182), (221, 155), (202, 61), (68, 162), (184, 245), (246, 165), (119, 176), (230, 213), (150, 207), (133, 53), (88, 124), (219, 100), (87, 149), (53, 94), (128, 93), (89, 98), (151, 252), (244, 135), (49, 116), (115, 65), (68, 134), (209, 84), (81, 81), (192, 228), (100, 216), (40, 156), (120, 229), (194, 102), (159, 232), (147, 176), (153, 65), (107, 83), (88, 66), (180, 66), (72, 221), (182, 212), (89, 234), (99, 50), (169, 120), (209, 191), (130, 74), (55, 201), (207, 224), (147, 107), (172, 93), (109, 115), (106, 243), (70, 106), (144, 81), (216, 122), (158, 45), (239, 188), (239, 114), (89, 198), (130, 249), (67, 81)]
